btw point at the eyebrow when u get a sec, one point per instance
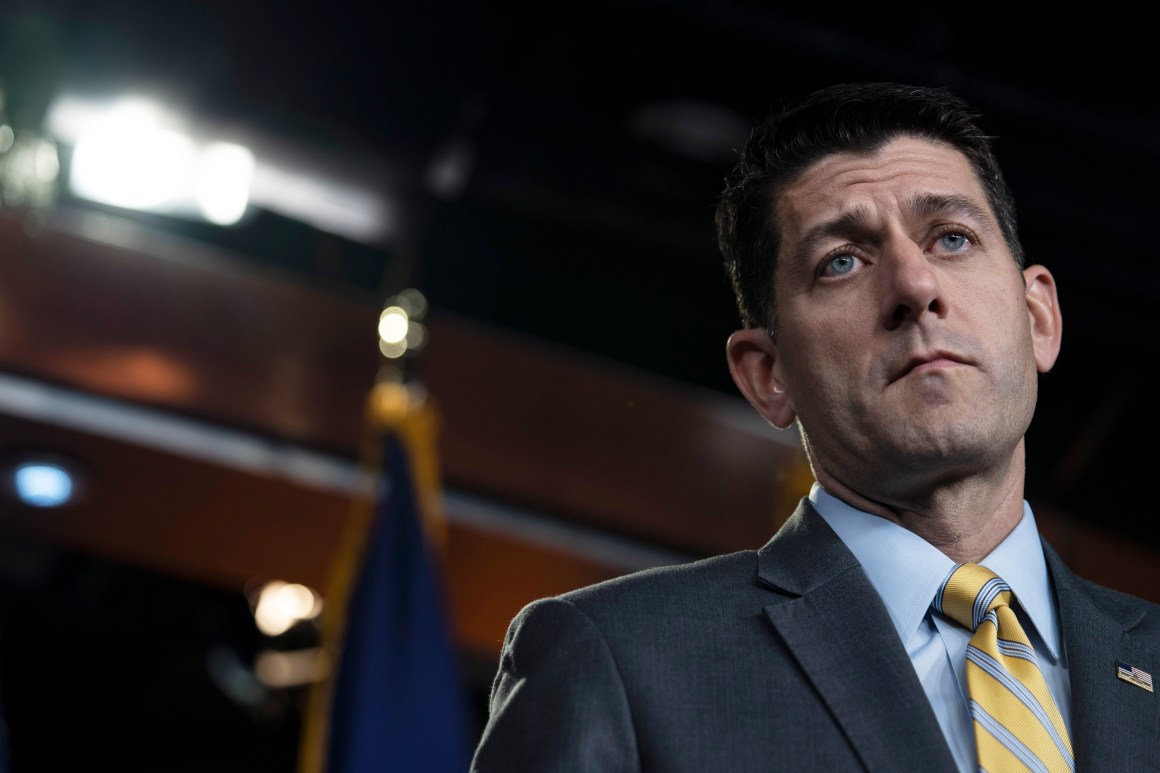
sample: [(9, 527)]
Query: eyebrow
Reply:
[(927, 204), (845, 225), (860, 219)]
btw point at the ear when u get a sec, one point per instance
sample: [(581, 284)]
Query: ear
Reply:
[(756, 370), (1044, 316)]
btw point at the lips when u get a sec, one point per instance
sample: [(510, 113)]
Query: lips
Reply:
[(917, 362)]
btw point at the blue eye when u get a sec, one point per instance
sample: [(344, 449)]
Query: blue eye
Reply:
[(840, 264), (953, 241)]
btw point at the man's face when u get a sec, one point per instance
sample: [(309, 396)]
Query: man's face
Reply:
[(905, 339)]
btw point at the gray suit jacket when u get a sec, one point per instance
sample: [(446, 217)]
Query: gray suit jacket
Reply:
[(779, 659)]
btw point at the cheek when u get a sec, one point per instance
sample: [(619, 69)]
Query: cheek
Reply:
[(1004, 313), (823, 368), (1003, 328)]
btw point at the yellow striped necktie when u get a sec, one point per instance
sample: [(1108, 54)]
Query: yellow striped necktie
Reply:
[(1017, 724)]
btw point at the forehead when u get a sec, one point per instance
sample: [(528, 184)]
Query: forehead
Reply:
[(879, 183)]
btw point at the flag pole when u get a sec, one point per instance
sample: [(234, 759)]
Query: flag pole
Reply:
[(343, 571), (403, 408)]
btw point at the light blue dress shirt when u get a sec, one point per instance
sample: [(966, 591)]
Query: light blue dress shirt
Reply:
[(906, 570)]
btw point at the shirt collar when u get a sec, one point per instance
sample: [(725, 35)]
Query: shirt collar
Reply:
[(1020, 562), (907, 587)]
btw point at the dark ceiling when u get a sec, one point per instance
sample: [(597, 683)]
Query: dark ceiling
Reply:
[(591, 139)]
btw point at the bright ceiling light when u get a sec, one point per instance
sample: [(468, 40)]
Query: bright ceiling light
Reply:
[(134, 166), (223, 182), (134, 154), (42, 484), (139, 155)]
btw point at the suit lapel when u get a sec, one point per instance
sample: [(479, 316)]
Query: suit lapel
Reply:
[(839, 631), (1114, 724)]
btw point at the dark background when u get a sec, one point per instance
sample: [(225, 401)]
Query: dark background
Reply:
[(594, 138)]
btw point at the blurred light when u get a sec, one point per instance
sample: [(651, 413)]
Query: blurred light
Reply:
[(221, 180), (136, 155), (277, 669), (223, 184), (128, 157), (413, 302), (328, 204), (450, 169), (392, 351), (46, 162), (231, 677), (7, 137), (42, 484), (399, 328), (30, 170), (151, 375), (127, 160), (697, 130), (69, 118), (416, 336), (281, 605), (393, 325)]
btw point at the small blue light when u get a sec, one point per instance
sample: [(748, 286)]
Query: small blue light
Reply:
[(43, 485)]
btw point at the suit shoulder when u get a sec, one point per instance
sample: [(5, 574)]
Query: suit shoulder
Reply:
[(656, 591), (1133, 613), (1140, 614), (727, 567)]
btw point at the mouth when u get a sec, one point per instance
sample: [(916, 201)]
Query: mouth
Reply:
[(929, 362)]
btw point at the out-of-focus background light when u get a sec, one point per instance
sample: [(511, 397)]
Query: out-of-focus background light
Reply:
[(133, 165), (393, 325), (223, 182), (135, 154), (281, 605), (42, 484), (411, 301), (400, 330), (277, 669)]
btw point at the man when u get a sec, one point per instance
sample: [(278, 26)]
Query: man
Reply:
[(888, 313)]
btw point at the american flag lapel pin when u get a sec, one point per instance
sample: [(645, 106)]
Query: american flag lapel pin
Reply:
[(1133, 675)]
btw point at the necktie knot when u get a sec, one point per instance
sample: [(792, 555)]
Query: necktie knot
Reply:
[(969, 593)]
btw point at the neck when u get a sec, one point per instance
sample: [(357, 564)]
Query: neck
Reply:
[(965, 519)]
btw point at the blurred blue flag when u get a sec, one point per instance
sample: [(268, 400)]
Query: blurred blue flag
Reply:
[(397, 701)]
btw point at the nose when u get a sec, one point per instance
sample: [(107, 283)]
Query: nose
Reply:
[(912, 285)]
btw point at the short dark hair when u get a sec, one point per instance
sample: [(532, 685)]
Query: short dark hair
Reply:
[(850, 117)]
